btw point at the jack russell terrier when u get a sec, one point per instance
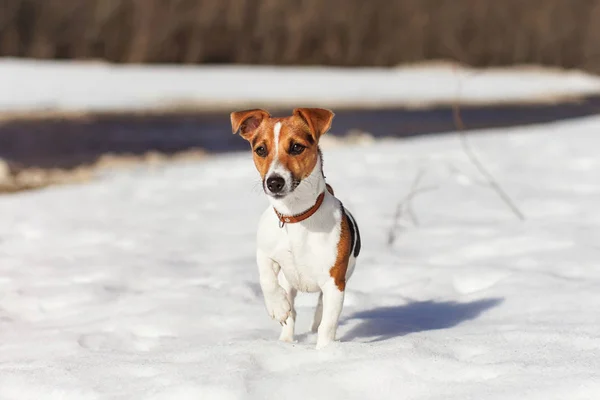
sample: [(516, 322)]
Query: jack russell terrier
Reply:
[(308, 235)]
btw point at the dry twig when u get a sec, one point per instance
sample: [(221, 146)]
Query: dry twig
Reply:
[(460, 126)]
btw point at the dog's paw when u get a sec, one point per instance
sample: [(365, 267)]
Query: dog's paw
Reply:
[(286, 337), (321, 344), (279, 307)]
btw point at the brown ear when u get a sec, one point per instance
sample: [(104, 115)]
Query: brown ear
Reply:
[(317, 119), (247, 121)]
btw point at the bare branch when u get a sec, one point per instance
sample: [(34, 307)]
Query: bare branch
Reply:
[(460, 126)]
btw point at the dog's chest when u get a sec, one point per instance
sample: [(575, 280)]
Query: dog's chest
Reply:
[(306, 257)]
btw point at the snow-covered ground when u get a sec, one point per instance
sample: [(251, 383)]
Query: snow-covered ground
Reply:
[(142, 285), (48, 86)]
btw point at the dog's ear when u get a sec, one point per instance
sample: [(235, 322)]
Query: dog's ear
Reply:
[(247, 121), (317, 119)]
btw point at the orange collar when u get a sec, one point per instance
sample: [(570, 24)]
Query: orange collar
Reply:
[(292, 219), (306, 214)]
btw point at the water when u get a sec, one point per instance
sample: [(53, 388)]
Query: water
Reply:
[(71, 142)]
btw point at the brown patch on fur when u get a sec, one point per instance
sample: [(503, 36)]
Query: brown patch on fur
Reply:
[(264, 137), (338, 271), (256, 126), (318, 120), (295, 131)]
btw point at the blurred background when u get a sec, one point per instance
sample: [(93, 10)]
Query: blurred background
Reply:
[(38, 148), (351, 33)]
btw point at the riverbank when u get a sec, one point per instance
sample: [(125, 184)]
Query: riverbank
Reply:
[(61, 121)]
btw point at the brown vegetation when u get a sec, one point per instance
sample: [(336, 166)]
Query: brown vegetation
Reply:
[(562, 33), (14, 178)]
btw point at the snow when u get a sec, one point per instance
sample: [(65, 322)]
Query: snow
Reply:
[(43, 86), (142, 284)]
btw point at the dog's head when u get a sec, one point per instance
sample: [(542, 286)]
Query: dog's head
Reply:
[(286, 150)]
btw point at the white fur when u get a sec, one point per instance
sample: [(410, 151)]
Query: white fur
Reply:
[(276, 168), (302, 254), (276, 133)]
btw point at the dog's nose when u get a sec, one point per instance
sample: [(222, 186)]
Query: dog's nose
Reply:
[(275, 183)]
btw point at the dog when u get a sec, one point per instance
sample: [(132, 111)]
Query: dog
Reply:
[(307, 241)]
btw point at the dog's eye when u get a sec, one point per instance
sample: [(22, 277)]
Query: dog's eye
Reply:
[(261, 151), (296, 149)]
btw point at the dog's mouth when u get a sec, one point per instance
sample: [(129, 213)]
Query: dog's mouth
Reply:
[(277, 196)]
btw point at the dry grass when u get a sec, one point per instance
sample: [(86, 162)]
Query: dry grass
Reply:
[(563, 33), (14, 179)]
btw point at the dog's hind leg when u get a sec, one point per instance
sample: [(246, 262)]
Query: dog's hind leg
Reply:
[(287, 330), (333, 301), (318, 314)]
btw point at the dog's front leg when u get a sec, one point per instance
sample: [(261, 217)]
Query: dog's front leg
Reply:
[(333, 301), (276, 300)]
